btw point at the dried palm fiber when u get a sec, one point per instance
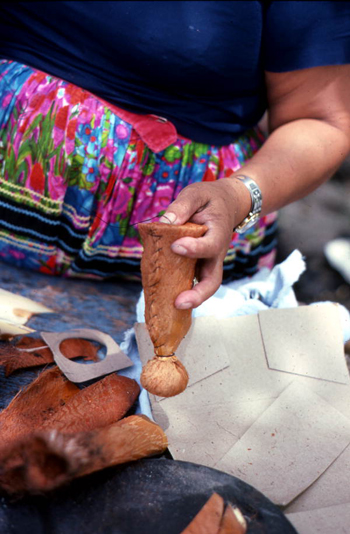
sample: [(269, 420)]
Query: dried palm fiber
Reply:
[(233, 521), (164, 276), (52, 402), (208, 519), (95, 406), (49, 459), (35, 403), (14, 357), (214, 518)]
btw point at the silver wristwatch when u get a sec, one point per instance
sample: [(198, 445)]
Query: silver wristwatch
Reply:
[(255, 210)]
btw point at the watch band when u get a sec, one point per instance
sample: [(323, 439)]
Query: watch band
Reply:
[(256, 198)]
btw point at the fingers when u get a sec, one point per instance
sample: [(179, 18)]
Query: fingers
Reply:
[(211, 204), (210, 280), (200, 247), (215, 241)]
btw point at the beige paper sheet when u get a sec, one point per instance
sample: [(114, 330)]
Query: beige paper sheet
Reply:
[(204, 422), (222, 402), (201, 428), (334, 519), (332, 488), (289, 446), (114, 360), (338, 395), (250, 377), (307, 341), (202, 352)]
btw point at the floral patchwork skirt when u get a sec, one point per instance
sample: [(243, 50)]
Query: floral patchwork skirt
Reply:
[(76, 178)]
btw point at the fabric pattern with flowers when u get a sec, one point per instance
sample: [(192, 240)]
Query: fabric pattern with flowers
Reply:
[(75, 179)]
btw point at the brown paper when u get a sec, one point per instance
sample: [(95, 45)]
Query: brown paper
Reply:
[(307, 341), (201, 351), (333, 519), (114, 360), (212, 415), (293, 442), (202, 428), (332, 488)]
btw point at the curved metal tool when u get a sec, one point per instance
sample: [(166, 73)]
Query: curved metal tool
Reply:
[(114, 360)]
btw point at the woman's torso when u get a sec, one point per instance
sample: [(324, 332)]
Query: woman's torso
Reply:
[(196, 63)]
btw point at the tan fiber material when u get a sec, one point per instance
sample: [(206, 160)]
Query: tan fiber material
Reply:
[(45, 460), (164, 276), (208, 519), (96, 406), (52, 402), (232, 521), (114, 360), (30, 352), (30, 408)]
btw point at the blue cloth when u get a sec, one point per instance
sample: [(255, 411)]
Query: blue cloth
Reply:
[(200, 64)]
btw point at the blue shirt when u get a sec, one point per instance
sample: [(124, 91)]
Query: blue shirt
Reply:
[(200, 64)]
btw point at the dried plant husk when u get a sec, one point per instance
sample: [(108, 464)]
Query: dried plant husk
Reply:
[(165, 377), (49, 459), (52, 402), (164, 276), (9, 330), (233, 521), (29, 352), (18, 309), (95, 406), (215, 518), (208, 519), (32, 405)]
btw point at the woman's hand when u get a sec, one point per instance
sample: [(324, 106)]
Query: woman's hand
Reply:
[(309, 114), (221, 206)]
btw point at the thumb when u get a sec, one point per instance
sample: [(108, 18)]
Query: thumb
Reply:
[(184, 207)]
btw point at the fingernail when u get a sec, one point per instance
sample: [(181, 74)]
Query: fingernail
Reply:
[(185, 306), (179, 249), (169, 218)]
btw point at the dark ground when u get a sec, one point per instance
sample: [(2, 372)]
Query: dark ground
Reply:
[(308, 225)]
